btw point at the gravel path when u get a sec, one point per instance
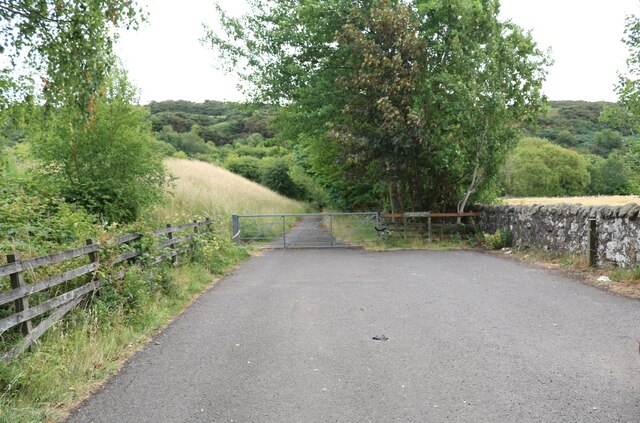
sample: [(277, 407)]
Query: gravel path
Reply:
[(471, 338)]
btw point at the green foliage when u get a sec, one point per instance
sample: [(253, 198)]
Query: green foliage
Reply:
[(566, 138), (276, 177), (573, 123), (109, 166), (502, 238), (248, 167), (188, 142), (217, 122), (69, 43), (609, 176), (91, 343), (629, 98), (417, 98), (539, 168), (629, 83), (33, 215), (605, 142)]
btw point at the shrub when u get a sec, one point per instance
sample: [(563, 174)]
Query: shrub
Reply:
[(502, 238), (247, 166), (276, 177), (109, 165), (539, 168)]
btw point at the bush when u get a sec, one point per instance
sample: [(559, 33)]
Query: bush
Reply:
[(502, 238), (539, 168), (247, 166), (33, 216), (276, 177), (110, 164)]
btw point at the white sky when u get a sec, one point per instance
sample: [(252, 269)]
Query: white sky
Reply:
[(167, 62)]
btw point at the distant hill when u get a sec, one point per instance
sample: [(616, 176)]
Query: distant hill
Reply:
[(572, 124), (216, 122), (578, 125)]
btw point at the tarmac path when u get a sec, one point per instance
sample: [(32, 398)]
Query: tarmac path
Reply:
[(471, 338)]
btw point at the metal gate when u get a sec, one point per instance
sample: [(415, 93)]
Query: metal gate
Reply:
[(311, 230)]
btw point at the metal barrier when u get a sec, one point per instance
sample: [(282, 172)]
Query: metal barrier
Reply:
[(311, 230), (335, 230)]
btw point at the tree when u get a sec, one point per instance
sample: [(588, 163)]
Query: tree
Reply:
[(67, 44), (566, 138), (414, 101), (276, 177), (629, 92), (609, 176), (605, 142), (537, 168), (110, 166)]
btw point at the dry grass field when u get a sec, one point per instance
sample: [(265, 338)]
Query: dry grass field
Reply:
[(610, 200), (209, 191)]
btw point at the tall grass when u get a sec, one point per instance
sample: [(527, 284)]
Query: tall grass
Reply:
[(206, 190), (90, 345)]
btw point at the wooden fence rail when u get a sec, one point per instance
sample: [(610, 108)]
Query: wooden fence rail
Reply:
[(423, 225), (60, 304)]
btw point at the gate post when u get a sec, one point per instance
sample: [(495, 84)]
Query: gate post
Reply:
[(235, 223)]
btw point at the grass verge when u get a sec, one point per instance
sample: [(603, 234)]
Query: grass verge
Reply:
[(621, 281), (81, 352), (455, 243)]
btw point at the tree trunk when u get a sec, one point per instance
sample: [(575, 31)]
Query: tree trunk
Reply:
[(396, 205), (475, 181)]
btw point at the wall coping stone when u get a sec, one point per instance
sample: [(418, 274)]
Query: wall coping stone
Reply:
[(631, 210)]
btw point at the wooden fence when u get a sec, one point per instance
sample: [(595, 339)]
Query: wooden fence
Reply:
[(59, 304), (425, 225)]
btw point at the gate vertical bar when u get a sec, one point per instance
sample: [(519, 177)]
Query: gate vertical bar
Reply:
[(284, 233), (331, 228)]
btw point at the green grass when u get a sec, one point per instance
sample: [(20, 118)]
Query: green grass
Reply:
[(92, 344), (94, 340)]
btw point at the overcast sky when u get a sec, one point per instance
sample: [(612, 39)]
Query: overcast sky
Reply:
[(166, 60)]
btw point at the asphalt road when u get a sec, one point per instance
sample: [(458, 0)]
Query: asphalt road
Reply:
[(471, 338)]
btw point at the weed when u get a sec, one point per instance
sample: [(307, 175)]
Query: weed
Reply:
[(502, 238)]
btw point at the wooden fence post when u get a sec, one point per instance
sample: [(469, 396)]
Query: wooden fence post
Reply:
[(93, 258), (174, 259), (194, 240), (593, 242), (21, 304)]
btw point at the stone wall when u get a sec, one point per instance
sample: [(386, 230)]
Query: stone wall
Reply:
[(564, 228)]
